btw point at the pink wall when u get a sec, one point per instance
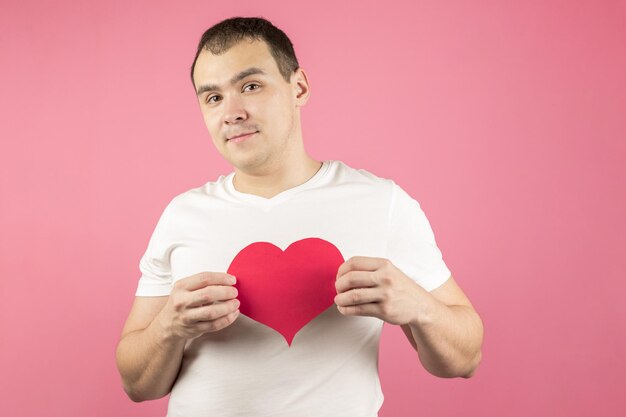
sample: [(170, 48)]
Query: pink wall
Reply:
[(506, 121)]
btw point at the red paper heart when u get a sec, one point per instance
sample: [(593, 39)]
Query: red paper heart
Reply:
[(286, 290)]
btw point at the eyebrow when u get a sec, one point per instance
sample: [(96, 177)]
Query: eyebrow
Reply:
[(238, 77)]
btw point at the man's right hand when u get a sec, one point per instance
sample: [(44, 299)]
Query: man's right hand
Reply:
[(198, 304)]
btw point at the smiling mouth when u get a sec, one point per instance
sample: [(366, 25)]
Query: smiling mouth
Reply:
[(241, 137)]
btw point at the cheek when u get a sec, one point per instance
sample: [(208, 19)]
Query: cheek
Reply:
[(209, 121), (207, 118), (280, 108)]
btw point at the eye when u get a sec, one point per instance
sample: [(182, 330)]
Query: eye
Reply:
[(252, 84), (208, 100)]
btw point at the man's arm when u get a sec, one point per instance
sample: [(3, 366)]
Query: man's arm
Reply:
[(441, 325), (151, 348), (147, 358), (448, 334)]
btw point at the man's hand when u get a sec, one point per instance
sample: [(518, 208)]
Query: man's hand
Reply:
[(201, 303), (368, 286)]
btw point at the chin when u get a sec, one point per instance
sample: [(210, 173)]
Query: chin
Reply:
[(251, 164)]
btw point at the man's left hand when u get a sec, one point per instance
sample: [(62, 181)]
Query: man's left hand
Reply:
[(368, 286)]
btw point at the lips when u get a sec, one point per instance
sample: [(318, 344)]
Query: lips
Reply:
[(243, 134)]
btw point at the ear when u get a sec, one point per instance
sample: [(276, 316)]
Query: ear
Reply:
[(301, 89)]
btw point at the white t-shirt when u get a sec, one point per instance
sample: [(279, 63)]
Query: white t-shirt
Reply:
[(329, 366)]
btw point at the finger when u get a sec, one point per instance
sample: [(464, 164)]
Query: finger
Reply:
[(360, 263), (204, 279), (355, 279), (371, 309), (212, 294), (215, 325), (214, 311), (358, 296)]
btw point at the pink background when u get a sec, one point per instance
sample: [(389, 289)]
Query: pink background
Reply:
[(505, 120)]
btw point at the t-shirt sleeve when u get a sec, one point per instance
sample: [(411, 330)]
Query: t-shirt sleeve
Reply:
[(155, 267), (411, 245)]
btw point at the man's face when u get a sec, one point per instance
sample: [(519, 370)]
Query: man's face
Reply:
[(242, 91)]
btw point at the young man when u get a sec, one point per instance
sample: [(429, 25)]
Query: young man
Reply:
[(264, 293)]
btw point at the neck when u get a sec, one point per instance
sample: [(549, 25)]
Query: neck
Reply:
[(276, 179)]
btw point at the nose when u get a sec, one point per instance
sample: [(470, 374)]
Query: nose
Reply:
[(234, 111)]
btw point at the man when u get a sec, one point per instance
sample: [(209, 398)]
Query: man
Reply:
[(264, 292)]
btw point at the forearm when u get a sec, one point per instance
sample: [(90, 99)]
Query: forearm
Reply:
[(448, 339), (148, 361)]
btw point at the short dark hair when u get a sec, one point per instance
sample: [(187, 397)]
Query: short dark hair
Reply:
[(222, 36)]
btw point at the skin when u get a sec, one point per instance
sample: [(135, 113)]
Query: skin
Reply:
[(441, 325), (274, 159)]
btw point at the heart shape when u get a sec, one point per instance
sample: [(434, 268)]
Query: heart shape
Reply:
[(286, 290)]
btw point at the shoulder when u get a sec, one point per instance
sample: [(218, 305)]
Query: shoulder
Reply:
[(374, 182), (197, 195), (178, 206), (349, 174)]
